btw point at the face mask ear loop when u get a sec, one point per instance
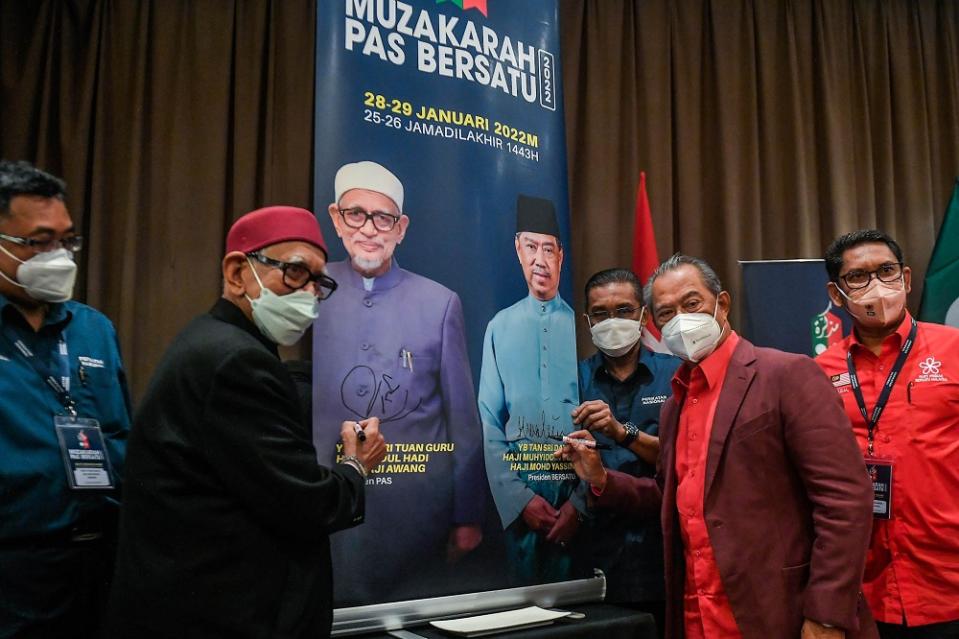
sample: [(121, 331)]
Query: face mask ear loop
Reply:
[(4, 275), (722, 329), (12, 256), (253, 268), (842, 292)]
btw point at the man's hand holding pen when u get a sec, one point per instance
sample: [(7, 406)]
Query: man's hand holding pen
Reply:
[(585, 458), (363, 440), (596, 416)]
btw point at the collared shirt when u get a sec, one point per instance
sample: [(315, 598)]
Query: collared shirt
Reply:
[(706, 608), (912, 570), (630, 554), (35, 497), (528, 388)]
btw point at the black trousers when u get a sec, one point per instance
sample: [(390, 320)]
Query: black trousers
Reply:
[(53, 588), (946, 630)]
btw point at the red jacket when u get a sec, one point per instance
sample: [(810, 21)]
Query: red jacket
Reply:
[(787, 501)]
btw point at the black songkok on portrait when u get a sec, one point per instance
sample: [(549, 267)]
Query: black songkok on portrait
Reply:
[(536, 215)]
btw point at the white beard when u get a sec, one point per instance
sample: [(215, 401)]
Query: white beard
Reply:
[(365, 265)]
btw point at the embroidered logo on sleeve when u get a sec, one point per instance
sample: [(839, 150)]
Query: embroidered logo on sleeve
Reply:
[(654, 399)]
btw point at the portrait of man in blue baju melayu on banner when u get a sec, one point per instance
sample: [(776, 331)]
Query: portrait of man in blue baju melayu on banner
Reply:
[(528, 388)]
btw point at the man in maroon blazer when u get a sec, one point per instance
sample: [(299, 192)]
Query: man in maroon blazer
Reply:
[(766, 505)]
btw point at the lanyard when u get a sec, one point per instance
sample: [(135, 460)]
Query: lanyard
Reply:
[(872, 422), (61, 386)]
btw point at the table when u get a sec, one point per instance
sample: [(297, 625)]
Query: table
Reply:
[(603, 621)]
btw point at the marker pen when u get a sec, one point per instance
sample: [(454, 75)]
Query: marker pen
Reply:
[(360, 435)]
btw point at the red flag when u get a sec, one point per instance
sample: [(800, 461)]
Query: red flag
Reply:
[(646, 258)]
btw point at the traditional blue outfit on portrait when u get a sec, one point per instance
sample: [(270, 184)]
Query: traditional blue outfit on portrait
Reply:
[(528, 388)]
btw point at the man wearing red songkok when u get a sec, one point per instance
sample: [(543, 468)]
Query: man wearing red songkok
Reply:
[(226, 513)]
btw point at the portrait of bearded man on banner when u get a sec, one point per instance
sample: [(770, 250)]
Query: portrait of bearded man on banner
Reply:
[(528, 388), (392, 344)]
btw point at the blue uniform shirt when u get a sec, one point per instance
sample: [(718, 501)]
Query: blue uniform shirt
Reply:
[(35, 497), (629, 553)]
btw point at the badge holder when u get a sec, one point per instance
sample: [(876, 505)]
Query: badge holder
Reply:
[(880, 470), (880, 474), (84, 453)]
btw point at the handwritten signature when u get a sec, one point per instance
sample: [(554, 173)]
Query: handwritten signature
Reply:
[(364, 395), (541, 429)]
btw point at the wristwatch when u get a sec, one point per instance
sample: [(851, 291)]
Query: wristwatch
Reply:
[(632, 432)]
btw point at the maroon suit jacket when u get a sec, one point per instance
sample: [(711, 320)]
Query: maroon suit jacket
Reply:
[(788, 504)]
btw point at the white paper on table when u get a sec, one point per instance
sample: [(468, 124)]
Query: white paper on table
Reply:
[(499, 621)]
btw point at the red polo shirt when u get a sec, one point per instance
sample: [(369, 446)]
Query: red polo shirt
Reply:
[(706, 608), (912, 570)]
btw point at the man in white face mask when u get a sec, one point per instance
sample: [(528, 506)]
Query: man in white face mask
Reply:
[(63, 396), (899, 382), (227, 514), (623, 387), (766, 504)]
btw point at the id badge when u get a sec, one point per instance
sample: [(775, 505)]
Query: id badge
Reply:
[(84, 454), (880, 473)]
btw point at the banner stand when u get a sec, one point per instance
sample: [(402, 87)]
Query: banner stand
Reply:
[(404, 614)]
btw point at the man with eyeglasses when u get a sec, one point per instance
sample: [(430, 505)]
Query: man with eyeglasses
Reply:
[(623, 386), (227, 515), (393, 345), (899, 382), (527, 389), (64, 418)]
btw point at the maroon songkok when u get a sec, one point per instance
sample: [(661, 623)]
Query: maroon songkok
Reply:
[(272, 225)]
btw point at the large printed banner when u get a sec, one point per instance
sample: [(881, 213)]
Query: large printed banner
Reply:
[(786, 306), (451, 323)]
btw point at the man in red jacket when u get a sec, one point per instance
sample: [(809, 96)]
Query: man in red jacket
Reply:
[(899, 381), (766, 502)]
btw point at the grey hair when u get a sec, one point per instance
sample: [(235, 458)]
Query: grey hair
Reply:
[(710, 279)]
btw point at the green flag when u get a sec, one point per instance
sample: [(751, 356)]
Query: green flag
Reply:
[(940, 293)]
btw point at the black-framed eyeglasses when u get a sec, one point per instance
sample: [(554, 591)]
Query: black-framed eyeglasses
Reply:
[(296, 276), (73, 243), (858, 278), (356, 218), (622, 312)]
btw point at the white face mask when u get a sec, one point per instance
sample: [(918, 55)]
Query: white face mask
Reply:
[(46, 277), (692, 336), (886, 299), (616, 336), (282, 318)]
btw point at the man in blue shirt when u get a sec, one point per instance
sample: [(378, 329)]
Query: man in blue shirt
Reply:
[(527, 388), (65, 413), (623, 387)]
